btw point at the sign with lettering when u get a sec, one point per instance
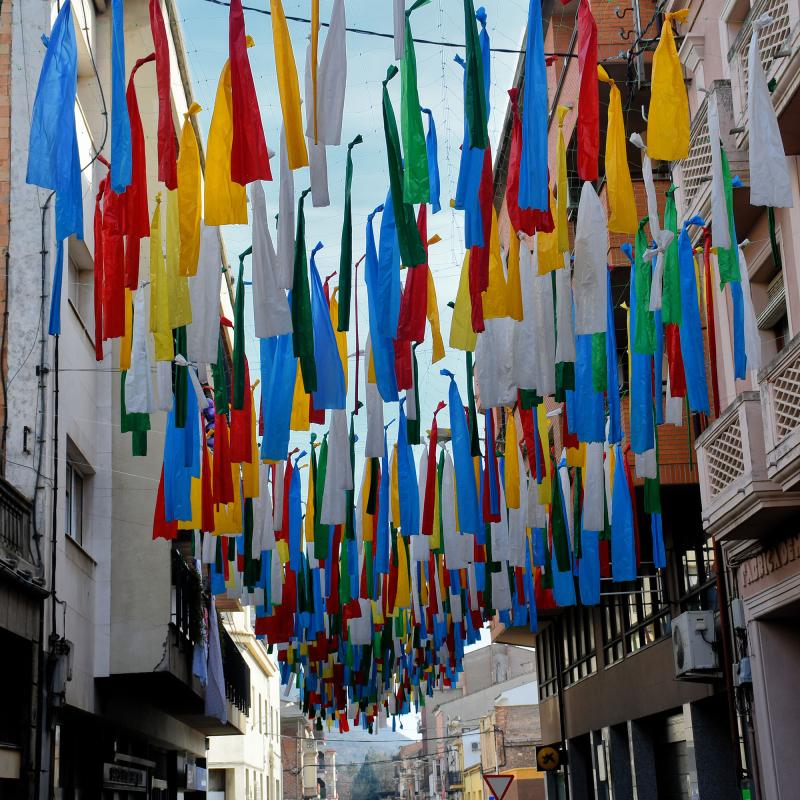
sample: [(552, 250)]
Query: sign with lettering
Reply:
[(755, 572), (129, 779)]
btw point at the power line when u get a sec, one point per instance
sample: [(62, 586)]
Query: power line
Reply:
[(382, 35)]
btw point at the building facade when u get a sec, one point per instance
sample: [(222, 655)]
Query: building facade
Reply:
[(748, 456), (608, 691), (248, 766), (303, 757), (103, 631)]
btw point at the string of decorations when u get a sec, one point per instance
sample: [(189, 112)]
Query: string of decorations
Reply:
[(372, 573)]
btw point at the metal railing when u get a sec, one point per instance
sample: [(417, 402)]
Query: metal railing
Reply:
[(237, 673), (187, 599), (16, 522)]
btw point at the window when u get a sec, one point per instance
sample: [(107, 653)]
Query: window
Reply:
[(74, 490), (695, 573), (580, 654), (80, 291), (769, 296)]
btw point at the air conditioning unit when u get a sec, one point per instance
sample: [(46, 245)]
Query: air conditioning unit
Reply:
[(693, 638)]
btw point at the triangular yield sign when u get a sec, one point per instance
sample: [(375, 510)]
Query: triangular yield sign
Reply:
[(498, 785)]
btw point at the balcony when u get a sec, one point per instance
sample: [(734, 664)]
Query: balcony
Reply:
[(780, 402), (167, 678), (455, 781), (16, 532), (779, 48), (739, 498), (693, 176)]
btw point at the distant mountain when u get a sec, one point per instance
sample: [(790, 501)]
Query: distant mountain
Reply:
[(353, 747)]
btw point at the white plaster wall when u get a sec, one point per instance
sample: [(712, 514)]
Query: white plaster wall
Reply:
[(259, 748), (83, 574)]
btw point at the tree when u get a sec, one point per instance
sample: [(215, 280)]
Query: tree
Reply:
[(364, 783)]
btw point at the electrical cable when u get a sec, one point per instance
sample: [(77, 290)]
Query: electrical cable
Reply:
[(381, 34)]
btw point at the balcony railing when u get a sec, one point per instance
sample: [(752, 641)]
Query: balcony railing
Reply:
[(739, 498), (237, 674), (696, 167), (775, 47), (16, 523), (455, 781), (188, 612), (187, 599), (780, 400)]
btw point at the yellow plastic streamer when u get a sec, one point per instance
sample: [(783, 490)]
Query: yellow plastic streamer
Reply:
[(511, 462), (395, 488), (341, 336), (514, 286), (494, 298), (548, 255), (544, 435), (403, 598), (314, 54), (288, 88), (225, 202), (668, 117), (127, 339), (301, 406), (433, 319), (623, 218), (180, 304), (190, 194), (462, 337), (309, 519)]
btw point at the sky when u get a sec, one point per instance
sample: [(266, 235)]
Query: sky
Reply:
[(440, 88), (440, 83)]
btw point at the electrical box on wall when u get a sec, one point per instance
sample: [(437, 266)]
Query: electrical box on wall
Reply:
[(693, 640)]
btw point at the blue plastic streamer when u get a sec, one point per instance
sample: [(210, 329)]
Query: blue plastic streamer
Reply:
[(382, 533), (659, 553), (53, 161), (389, 289), (623, 547), (612, 378), (533, 186), (589, 568), (331, 392), (586, 412), (491, 471), (469, 517), (691, 329), (295, 518), (739, 350), (54, 327), (278, 401), (121, 153), (469, 180), (382, 346), (432, 148), (407, 480)]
